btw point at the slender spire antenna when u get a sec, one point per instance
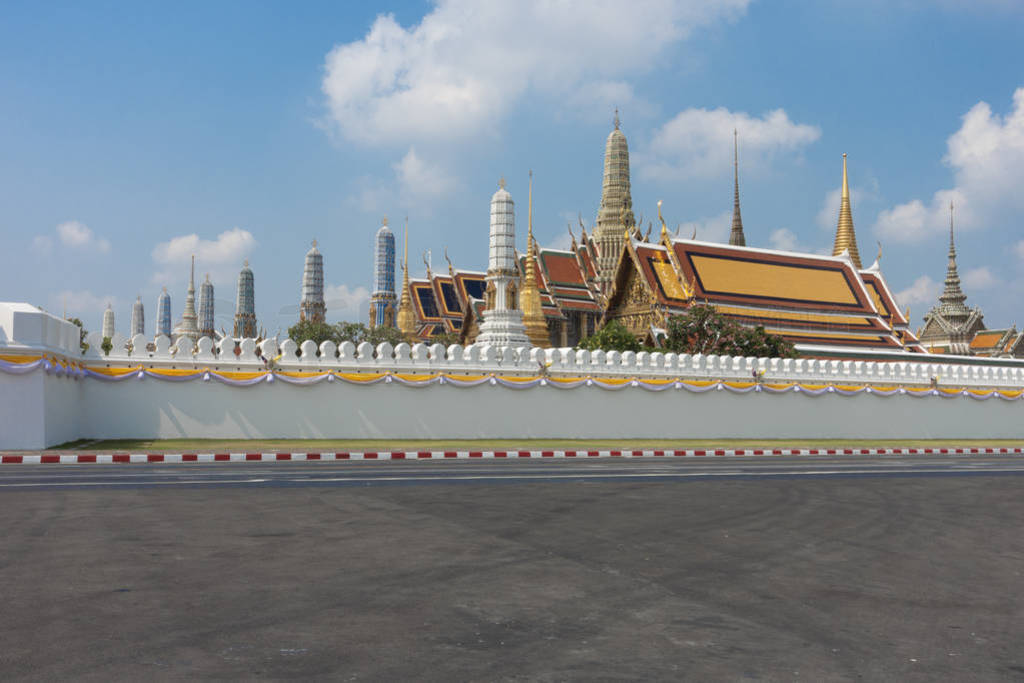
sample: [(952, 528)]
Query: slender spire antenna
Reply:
[(736, 236), (616, 120), (529, 211)]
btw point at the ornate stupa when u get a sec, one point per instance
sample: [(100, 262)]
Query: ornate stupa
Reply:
[(533, 314), (406, 317), (616, 213), (312, 307), (206, 328), (383, 299), (736, 236), (846, 239), (245, 305), (189, 326), (138, 325), (950, 326), (503, 320), (108, 322), (163, 314)]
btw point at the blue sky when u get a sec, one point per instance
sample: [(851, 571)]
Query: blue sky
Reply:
[(134, 134)]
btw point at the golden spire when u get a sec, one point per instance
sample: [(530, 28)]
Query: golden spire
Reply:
[(846, 239), (736, 237), (664, 228), (529, 297), (406, 319)]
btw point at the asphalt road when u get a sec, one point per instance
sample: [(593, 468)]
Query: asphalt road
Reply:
[(725, 569)]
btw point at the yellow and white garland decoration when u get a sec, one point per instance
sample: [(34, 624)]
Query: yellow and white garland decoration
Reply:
[(20, 365)]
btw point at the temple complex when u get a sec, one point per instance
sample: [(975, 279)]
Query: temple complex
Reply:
[(826, 305)]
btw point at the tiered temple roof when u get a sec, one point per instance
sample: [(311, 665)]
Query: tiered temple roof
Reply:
[(822, 303)]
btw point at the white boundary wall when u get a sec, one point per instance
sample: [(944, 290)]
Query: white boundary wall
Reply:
[(41, 409)]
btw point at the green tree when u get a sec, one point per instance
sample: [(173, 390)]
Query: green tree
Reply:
[(702, 329), (445, 338), (106, 346), (612, 337), (316, 331), (381, 334), (353, 332), (82, 332)]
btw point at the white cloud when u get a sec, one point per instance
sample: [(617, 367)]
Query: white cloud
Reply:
[(466, 64), (81, 303), (346, 304), (713, 229), (923, 291), (699, 142), (979, 278), (221, 257), (72, 234), (785, 239), (1018, 248), (42, 244), (420, 180), (987, 158)]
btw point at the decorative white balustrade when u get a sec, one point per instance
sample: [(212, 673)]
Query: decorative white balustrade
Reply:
[(483, 358)]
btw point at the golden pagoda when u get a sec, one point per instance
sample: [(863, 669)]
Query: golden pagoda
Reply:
[(846, 239), (533, 314), (406, 319)]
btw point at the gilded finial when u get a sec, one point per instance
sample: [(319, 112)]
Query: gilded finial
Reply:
[(616, 120), (501, 182), (572, 237), (384, 221), (314, 243), (661, 219), (245, 263), (451, 270)]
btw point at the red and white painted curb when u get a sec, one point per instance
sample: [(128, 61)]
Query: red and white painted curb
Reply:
[(111, 458)]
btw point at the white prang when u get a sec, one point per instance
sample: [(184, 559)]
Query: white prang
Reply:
[(503, 319), (108, 322)]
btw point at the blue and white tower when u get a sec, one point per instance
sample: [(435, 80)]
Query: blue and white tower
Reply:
[(245, 305), (163, 314), (206, 309), (138, 318), (383, 302)]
